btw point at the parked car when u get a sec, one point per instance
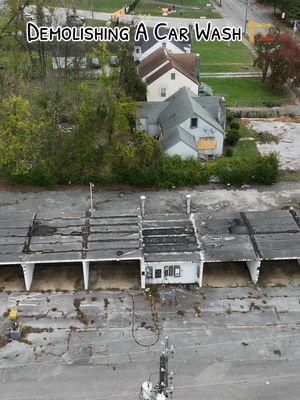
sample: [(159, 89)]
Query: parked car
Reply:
[(75, 20), (114, 61), (95, 63)]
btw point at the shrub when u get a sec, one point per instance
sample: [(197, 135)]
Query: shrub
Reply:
[(229, 116), (234, 125), (229, 152), (235, 170), (266, 169), (232, 137)]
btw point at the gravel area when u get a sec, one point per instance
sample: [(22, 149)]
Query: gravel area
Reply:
[(287, 143)]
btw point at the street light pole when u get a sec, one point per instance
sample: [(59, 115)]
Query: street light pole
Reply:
[(91, 197), (246, 17)]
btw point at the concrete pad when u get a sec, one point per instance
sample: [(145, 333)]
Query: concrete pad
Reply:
[(288, 141)]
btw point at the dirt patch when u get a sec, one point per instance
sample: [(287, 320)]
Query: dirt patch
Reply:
[(181, 313), (230, 274), (80, 315), (3, 341)]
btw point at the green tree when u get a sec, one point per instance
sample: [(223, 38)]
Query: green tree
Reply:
[(129, 81), (21, 138)]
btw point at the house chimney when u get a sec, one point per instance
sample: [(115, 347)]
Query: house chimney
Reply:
[(198, 66)]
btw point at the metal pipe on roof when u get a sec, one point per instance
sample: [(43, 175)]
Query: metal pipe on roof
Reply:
[(143, 205), (188, 202)]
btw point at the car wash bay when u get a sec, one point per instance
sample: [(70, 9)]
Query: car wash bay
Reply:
[(133, 249)]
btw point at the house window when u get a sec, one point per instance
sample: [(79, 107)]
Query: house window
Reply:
[(137, 51), (194, 122), (158, 273), (163, 92), (173, 76)]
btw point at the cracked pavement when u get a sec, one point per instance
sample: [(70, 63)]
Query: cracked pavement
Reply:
[(229, 343)]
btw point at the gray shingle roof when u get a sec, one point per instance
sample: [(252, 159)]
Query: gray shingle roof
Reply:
[(145, 45), (178, 135), (176, 109), (183, 105), (151, 110)]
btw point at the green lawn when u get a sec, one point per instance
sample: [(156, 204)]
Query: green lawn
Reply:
[(246, 148), (245, 91), (223, 56), (152, 7)]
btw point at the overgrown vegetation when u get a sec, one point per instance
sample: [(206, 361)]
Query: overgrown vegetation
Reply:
[(57, 127), (278, 56)]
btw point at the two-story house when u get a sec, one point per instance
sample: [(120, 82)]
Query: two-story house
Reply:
[(143, 48), (165, 73), (186, 124)]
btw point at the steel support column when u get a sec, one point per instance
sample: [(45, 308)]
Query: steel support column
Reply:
[(143, 274), (28, 270), (200, 274), (254, 267), (86, 273)]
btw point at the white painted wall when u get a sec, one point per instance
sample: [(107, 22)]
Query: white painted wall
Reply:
[(183, 150), (189, 273), (172, 86), (139, 56), (204, 129)]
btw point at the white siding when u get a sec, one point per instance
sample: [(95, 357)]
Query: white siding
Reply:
[(183, 150), (172, 86), (190, 272), (205, 130)]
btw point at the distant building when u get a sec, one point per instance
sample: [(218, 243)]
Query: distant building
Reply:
[(68, 56), (143, 48), (165, 73), (186, 124)]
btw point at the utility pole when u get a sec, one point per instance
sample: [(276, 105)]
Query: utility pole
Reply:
[(164, 388), (246, 17)]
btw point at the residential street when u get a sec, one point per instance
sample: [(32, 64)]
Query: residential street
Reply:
[(235, 12)]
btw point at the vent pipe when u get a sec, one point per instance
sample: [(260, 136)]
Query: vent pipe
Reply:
[(188, 201), (142, 205)]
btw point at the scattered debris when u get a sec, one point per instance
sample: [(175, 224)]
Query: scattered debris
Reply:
[(80, 315), (181, 313)]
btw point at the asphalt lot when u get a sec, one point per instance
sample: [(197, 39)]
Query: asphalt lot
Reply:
[(239, 343), (208, 199)]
